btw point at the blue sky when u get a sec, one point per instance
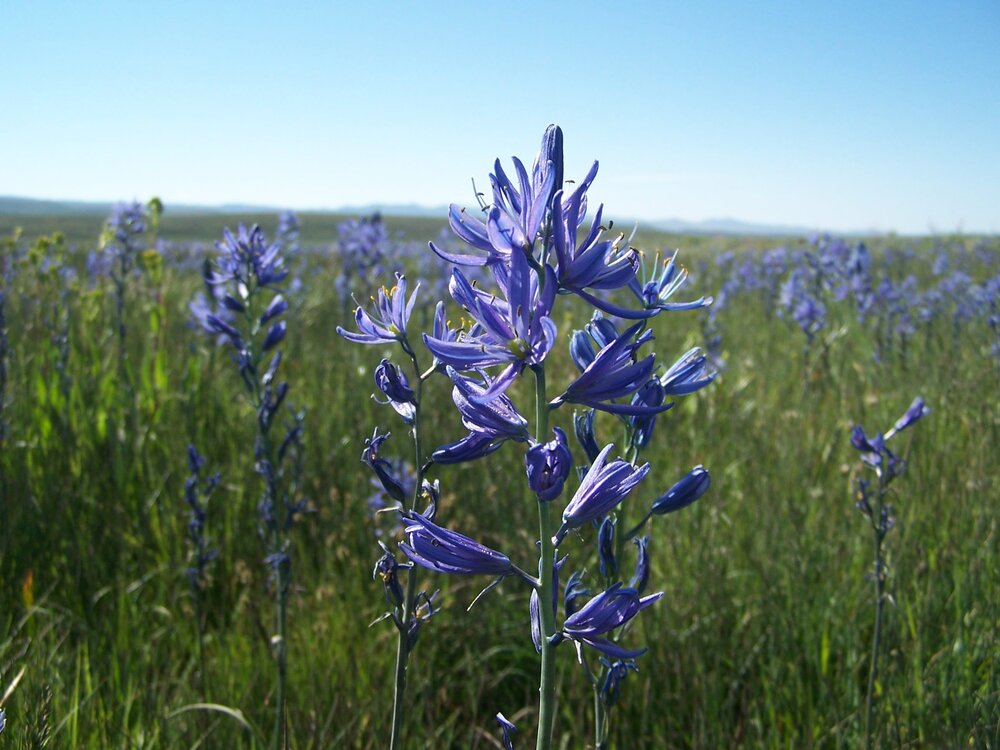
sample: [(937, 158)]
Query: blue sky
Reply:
[(844, 116)]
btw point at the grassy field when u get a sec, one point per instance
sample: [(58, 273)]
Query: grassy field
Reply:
[(761, 640)]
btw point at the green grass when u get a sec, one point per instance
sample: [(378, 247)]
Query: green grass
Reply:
[(762, 637)]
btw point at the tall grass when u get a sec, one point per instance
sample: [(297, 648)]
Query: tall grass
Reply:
[(761, 641)]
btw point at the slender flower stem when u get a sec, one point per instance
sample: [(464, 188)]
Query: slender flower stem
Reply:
[(402, 643), (546, 561), (600, 718), (879, 534), (282, 568)]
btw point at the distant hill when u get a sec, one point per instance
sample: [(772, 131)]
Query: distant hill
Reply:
[(729, 226), (14, 206)]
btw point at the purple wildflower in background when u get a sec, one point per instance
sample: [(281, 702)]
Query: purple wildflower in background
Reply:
[(197, 490), (363, 251), (246, 258), (916, 411), (872, 503)]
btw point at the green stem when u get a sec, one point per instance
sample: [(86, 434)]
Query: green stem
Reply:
[(876, 638), (402, 643), (546, 560), (600, 721), (879, 598), (279, 722)]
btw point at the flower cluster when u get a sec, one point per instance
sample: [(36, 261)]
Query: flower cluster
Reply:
[(248, 315), (197, 490), (527, 253)]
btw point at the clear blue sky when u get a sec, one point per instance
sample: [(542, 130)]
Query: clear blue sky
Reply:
[(836, 115)]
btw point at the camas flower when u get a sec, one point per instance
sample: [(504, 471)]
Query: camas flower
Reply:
[(549, 464), (616, 672), (640, 578), (595, 263), (515, 331), (651, 395), (393, 383), (507, 728), (246, 258), (657, 287), (614, 373), (918, 410), (607, 611), (691, 372), (690, 488), (603, 488), (606, 548), (387, 322), (583, 427), (382, 468), (517, 212), (446, 551), (489, 423)]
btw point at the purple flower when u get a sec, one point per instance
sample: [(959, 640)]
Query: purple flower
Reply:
[(640, 578), (617, 671), (489, 423), (583, 427), (614, 373), (507, 728), (445, 551), (382, 468), (603, 488), (514, 332), (275, 335), (594, 263), (606, 548), (605, 612), (246, 257), (518, 211), (497, 418), (277, 306), (393, 383), (386, 568), (918, 410), (388, 320), (656, 288), (548, 465), (690, 373), (650, 395), (692, 486)]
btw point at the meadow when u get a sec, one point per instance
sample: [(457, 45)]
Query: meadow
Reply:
[(762, 638)]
